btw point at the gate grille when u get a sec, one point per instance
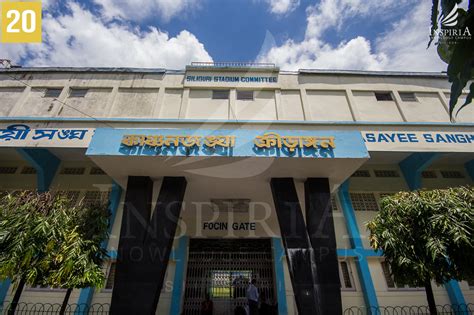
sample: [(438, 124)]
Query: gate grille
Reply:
[(223, 268)]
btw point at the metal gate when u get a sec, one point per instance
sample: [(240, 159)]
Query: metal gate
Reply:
[(223, 269)]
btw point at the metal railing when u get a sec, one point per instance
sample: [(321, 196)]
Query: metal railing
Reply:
[(54, 308), (258, 65), (103, 309), (447, 309)]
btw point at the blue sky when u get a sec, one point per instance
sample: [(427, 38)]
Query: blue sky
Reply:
[(294, 34)]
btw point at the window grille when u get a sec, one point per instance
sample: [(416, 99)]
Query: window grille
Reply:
[(97, 171), (361, 173), (364, 202), (28, 170), (73, 170), (452, 174), (345, 275), (245, 95), (52, 92), (8, 170), (94, 196), (408, 97), (428, 174), (220, 94), (386, 173), (391, 284), (231, 205), (383, 96), (71, 195), (78, 92)]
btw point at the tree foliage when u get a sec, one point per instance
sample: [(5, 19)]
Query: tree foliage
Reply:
[(426, 234), (457, 53), (46, 241)]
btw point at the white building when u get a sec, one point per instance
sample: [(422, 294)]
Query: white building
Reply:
[(253, 155)]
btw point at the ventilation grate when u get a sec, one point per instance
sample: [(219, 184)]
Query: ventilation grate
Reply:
[(97, 171), (386, 173), (346, 282), (28, 170), (361, 173), (71, 195), (364, 202), (428, 174), (8, 170), (94, 196), (334, 203), (452, 174), (231, 205), (73, 171), (111, 276)]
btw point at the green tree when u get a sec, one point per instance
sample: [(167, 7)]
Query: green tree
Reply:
[(426, 235), (77, 262), (457, 53), (46, 241)]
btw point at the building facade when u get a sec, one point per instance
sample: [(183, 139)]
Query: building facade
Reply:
[(225, 172)]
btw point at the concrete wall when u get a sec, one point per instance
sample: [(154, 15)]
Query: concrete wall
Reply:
[(296, 97)]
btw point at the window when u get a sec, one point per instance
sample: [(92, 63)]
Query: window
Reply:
[(44, 288), (78, 92), (361, 173), (452, 174), (245, 95), (73, 170), (345, 275), (428, 174), (386, 173), (391, 284), (52, 92), (383, 96), (109, 285), (220, 94), (8, 170), (97, 171), (364, 202), (28, 170), (408, 96)]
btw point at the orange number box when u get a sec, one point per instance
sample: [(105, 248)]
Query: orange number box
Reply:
[(20, 22)]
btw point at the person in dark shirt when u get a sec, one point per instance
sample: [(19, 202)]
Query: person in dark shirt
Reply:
[(207, 307)]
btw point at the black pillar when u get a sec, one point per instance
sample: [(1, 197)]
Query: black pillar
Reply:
[(145, 244), (320, 226), (300, 256)]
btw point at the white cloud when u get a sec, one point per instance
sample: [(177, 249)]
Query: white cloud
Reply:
[(144, 9), (83, 39), (403, 47), (282, 7)]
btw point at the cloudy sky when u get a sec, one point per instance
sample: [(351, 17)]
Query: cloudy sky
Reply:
[(294, 34)]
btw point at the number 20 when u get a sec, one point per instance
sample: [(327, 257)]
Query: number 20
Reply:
[(25, 16)]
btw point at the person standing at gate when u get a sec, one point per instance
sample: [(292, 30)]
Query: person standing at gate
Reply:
[(252, 297)]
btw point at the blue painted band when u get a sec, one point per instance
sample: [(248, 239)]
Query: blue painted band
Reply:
[(85, 297), (470, 169), (358, 252), (349, 215), (278, 257), (370, 296), (454, 292), (4, 286), (414, 165), (45, 163), (180, 257), (108, 142), (230, 121)]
